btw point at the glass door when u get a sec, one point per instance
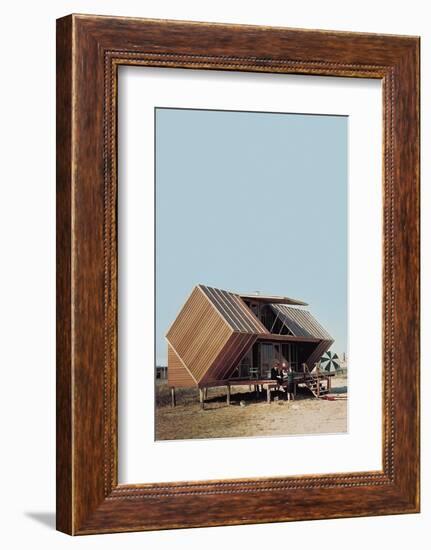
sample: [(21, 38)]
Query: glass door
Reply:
[(290, 353)]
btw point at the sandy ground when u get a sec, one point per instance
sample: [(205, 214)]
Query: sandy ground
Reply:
[(304, 415)]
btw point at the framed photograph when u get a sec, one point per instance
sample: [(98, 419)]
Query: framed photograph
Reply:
[(237, 274)]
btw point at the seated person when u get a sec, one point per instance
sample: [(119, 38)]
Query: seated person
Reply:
[(276, 373)]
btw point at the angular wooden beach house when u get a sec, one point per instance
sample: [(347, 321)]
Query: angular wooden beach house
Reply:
[(221, 338)]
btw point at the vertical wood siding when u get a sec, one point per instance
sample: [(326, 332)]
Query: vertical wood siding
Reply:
[(199, 334), (178, 375)]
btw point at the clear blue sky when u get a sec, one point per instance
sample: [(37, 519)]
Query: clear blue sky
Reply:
[(252, 201)]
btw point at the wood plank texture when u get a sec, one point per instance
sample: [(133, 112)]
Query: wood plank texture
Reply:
[(89, 51), (178, 375), (229, 357), (198, 334), (64, 449)]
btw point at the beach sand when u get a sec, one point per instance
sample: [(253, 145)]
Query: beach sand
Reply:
[(246, 416)]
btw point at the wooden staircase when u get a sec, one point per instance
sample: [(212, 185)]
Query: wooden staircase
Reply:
[(317, 384)]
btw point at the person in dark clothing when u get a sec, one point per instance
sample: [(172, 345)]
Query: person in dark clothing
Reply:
[(276, 373)]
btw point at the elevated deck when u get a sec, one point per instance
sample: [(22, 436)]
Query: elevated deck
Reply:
[(319, 383)]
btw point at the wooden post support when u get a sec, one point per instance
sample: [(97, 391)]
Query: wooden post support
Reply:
[(329, 383), (228, 394), (268, 394), (173, 401), (201, 397)]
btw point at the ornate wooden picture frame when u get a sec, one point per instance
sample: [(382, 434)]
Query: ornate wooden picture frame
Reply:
[(89, 51)]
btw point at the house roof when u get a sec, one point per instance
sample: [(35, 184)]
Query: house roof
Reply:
[(233, 310), (300, 322), (268, 299)]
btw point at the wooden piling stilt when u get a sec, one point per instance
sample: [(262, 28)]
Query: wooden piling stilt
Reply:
[(268, 395), (173, 400), (201, 397), (228, 394)]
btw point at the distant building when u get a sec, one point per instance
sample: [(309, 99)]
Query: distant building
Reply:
[(343, 361), (161, 372)]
